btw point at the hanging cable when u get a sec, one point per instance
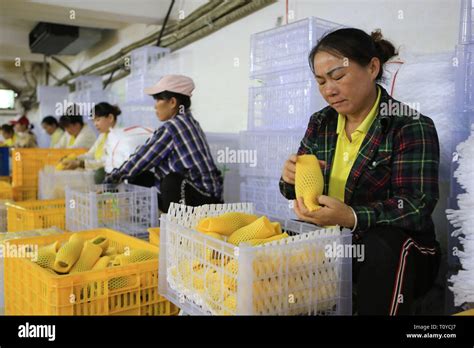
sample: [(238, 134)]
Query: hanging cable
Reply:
[(164, 24), (62, 63)]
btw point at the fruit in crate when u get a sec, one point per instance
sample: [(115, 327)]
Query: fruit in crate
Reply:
[(259, 229), (225, 224), (78, 255), (309, 181), (236, 228)]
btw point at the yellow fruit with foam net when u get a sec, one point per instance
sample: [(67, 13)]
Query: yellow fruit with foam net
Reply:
[(90, 254), (199, 278), (230, 305), (254, 242), (68, 254), (185, 269), (102, 263), (47, 255), (111, 251), (266, 265), (231, 271), (102, 242), (309, 181), (260, 228), (215, 286), (135, 255), (225, 224), (277, 227)]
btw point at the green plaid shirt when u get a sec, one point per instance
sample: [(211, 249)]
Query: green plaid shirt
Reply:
[(394, 180)]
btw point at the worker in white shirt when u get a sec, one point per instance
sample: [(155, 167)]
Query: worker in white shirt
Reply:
[(105, 118), (78, 134)]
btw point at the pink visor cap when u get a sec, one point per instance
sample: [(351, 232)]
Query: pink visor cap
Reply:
[(173, 83)]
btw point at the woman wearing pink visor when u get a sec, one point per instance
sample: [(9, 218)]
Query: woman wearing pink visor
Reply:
[(176, 159)]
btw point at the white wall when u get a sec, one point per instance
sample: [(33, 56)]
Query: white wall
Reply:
[(220, 98)]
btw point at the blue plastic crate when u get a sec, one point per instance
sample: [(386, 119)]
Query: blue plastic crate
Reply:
[(4, 161)]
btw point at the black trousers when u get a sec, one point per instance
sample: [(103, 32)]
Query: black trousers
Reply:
[(396, 270), (175, 189)]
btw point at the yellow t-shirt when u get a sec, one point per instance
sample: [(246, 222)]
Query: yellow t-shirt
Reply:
[(56, 137), (99, 152), (10, 142), (347, 151), (72, 140)]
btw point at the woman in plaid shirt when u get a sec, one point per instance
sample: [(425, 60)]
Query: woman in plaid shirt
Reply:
[(178, 152), (380, 165)]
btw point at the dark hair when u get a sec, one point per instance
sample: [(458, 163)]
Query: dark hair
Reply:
[(71, 116), (104, 109), (7, 128), (50, 121), (183, 100), (65, 121), (356, 45)]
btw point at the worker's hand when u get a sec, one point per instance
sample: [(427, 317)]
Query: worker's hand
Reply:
[(71, 164), (289, 169), (332, 212)]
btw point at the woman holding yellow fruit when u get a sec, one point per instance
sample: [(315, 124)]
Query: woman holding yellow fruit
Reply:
[(364, 166)]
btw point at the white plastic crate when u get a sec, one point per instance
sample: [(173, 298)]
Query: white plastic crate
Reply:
[(144, 58), (283, 106), (466, 28), (465, 78), (265, 194), (139, 114), (4, 238), (126, 208), (293, 276), (224, 147), (89, 82), (270, 148), (286, 46), (52, 183), (135, 85), (51, 94)]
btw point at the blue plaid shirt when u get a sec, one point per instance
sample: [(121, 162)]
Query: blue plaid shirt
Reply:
[(178, 146)]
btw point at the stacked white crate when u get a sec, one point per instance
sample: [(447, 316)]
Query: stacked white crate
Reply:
[(148, 65), (461, 201), (279, 108)]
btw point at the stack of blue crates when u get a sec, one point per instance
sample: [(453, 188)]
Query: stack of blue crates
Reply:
[(279, 109)]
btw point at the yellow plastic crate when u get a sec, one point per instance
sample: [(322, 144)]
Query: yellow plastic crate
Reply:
[(33, 290), (6, 191), (27, 163), (30, 215), (154, 236), (5, 179), (25, 193)]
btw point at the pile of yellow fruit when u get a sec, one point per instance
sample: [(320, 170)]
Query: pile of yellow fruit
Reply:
[(282, 283), (238, 228), (80, 255)]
